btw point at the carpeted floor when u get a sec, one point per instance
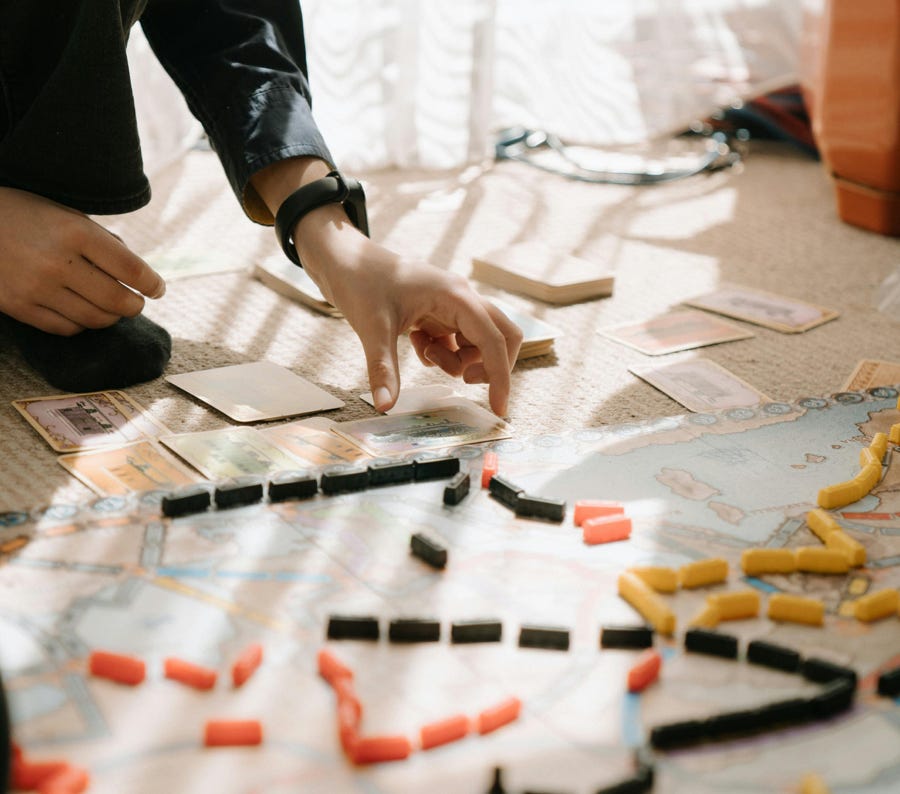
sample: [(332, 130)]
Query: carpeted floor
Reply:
[(770, 224)]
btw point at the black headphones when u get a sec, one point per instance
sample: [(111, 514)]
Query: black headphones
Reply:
[(518, 143)]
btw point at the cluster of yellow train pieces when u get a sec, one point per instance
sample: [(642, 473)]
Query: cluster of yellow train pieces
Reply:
[(641, 587)]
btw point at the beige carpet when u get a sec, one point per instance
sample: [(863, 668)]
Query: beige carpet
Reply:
[(770, 224)]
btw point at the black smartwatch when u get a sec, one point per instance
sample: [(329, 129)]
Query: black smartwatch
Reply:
[(332, 189)]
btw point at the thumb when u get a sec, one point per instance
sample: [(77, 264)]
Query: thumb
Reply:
[(384, 375)]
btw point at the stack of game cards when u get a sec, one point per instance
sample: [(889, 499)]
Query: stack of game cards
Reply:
[(537, 336), (287, 279), (538, 271)]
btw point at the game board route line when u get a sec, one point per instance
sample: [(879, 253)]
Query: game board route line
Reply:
[(784, 533), (55, 646), (153, 544), (57, 565), (666, 528), (800, 507), (191, 747), (866, 529), (563, 686), (94, 722), (590, 750), (223, 604), (73, 683), (885, 562), (687, 777), (669, 541), (212, 573)]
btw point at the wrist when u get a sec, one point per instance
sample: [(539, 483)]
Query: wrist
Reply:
[(276, 182), (337, 254), (330, 191)]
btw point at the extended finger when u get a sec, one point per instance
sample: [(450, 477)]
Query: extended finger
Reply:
[(480, 327), (380, 346), (114, 258), (511, 332)]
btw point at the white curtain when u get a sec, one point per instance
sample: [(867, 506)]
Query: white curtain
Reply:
[(426, 83)]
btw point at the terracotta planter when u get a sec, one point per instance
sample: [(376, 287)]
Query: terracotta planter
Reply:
[(853, 89)]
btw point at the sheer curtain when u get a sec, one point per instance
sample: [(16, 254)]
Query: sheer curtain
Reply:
[(426, 83)]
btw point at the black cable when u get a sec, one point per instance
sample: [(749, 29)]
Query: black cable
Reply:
[(517, 143)]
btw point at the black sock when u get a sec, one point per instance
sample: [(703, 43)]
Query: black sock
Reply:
[(133, 350)]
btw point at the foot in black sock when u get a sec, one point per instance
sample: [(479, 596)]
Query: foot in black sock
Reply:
[(133, 350)]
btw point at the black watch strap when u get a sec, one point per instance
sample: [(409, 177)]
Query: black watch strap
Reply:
[(331, 189)]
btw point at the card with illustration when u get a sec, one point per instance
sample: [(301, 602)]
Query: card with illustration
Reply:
[(788, 315), (447, 426), (231, 452), (78, 422), (679, 330), (871, 373), (141, 466), (701, 385), (314, 447), (416, 398)]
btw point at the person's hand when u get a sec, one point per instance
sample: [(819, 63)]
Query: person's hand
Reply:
[(61, 272), (383, 296)]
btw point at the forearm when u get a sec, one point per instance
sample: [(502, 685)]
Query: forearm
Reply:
[(277, 181), (241, 65)]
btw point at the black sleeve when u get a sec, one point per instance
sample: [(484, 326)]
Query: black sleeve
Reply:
[(241, 65)]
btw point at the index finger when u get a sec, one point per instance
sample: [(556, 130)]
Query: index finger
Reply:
[(113, 257), (498, 339)]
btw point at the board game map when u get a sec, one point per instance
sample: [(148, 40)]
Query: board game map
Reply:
[(115, 575)]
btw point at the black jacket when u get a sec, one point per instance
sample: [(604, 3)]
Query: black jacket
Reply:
[(67, 119)]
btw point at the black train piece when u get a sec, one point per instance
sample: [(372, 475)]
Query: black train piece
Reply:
[(239, 491), (389, 472), (337, 479), (428, 550), (414, 630), (540, 507), (768, 654), (457, 489), (550, 637), (504, 491), (712, 643), (476, 631), (353, 627), (436, 468), (292, 485), (187, 500)]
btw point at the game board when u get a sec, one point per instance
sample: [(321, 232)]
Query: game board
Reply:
[(115, 575)]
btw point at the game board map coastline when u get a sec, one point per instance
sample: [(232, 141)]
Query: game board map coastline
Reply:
[(113, 574)]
